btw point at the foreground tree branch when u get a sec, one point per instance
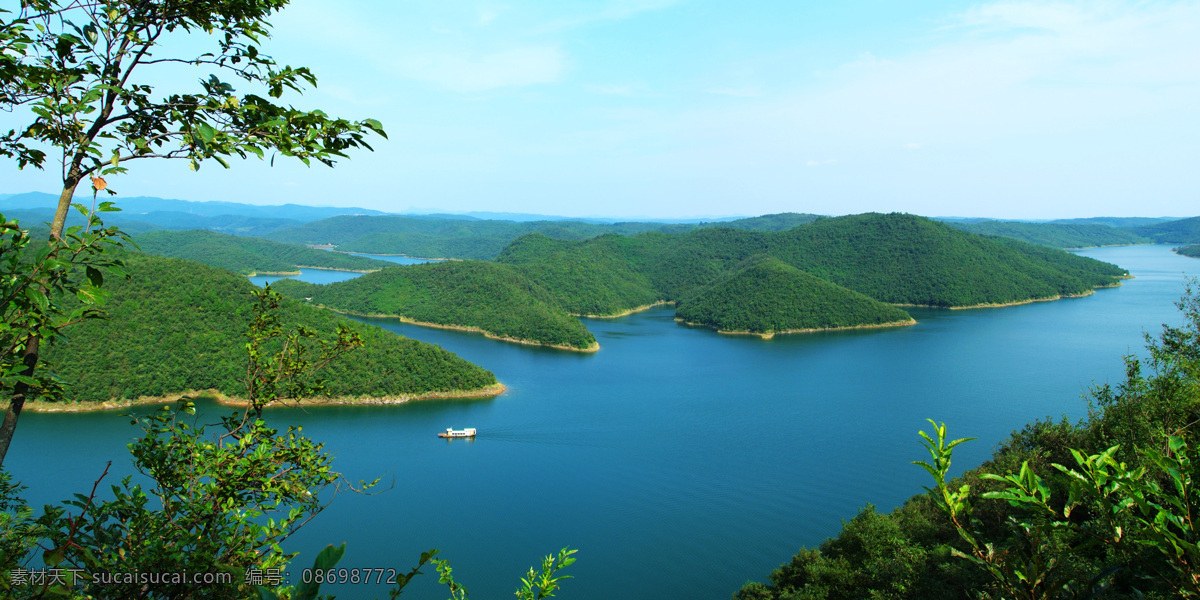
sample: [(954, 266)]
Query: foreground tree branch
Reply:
[(81, 70)]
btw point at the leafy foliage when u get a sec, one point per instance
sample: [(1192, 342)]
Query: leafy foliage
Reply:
[(247, 255), (44, 289), (35, 282), (77, 67)]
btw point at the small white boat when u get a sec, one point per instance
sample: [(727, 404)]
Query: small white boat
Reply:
[(458, 433)]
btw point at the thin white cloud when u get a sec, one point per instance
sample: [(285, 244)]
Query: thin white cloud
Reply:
[(1041, 69)]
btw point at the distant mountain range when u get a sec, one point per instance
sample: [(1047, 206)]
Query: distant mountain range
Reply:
[(147, 213), (482, 235)]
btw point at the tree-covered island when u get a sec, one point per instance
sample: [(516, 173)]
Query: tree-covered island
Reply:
[(768, 297)]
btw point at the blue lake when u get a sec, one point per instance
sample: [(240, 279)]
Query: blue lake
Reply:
[(681, 463), (328, 276)]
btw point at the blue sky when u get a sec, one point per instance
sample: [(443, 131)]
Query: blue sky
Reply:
[(663, 108)]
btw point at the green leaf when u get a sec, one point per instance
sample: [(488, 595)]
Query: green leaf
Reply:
[(205, 132), (328, 557), (90, 294)]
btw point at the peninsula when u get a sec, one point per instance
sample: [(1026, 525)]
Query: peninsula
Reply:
[(177, 325)]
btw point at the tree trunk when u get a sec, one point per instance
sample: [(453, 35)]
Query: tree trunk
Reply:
[(64, 206), (9, 426)]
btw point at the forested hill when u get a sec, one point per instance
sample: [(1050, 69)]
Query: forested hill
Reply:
[(904, 259), (538, 282), (1183, 231), (178, 325), (1059, 235), (767, 297), (1192, 251), (896, 258), (489, 297), (450, 237), (247, 255)]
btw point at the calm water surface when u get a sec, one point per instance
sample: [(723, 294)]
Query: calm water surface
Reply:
[(328, 276), (680, 462)]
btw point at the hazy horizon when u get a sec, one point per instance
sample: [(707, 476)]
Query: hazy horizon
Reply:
[(418, 211)]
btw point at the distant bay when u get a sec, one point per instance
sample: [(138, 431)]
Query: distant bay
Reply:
[(679, 461), (329, 276)]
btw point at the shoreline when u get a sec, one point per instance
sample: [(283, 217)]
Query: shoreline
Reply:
[(1107, 245), (767, 336), (343, 270), (295, 273), (594, 347), (334, 248), (490, 391), (627, 312), (1019, 302)]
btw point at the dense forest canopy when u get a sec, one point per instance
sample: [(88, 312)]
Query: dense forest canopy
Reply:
[(1193, 250), (767, 296), (838, 272), (1059, 235), (177, 325), (1182, 231), (896, 258), (247, 255), (456, 237), (491, 297)]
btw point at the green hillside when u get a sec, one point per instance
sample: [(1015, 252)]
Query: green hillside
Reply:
[(896, 258), (904, 259), (768, 297), (538, 282), (247, 255), (1059, 235), (493, 298), (1183, 231), (1116, 221), (1192, 251), (178, 325), (451, 237), (591, 277)]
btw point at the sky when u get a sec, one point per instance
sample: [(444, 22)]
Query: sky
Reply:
[(678, 108)]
